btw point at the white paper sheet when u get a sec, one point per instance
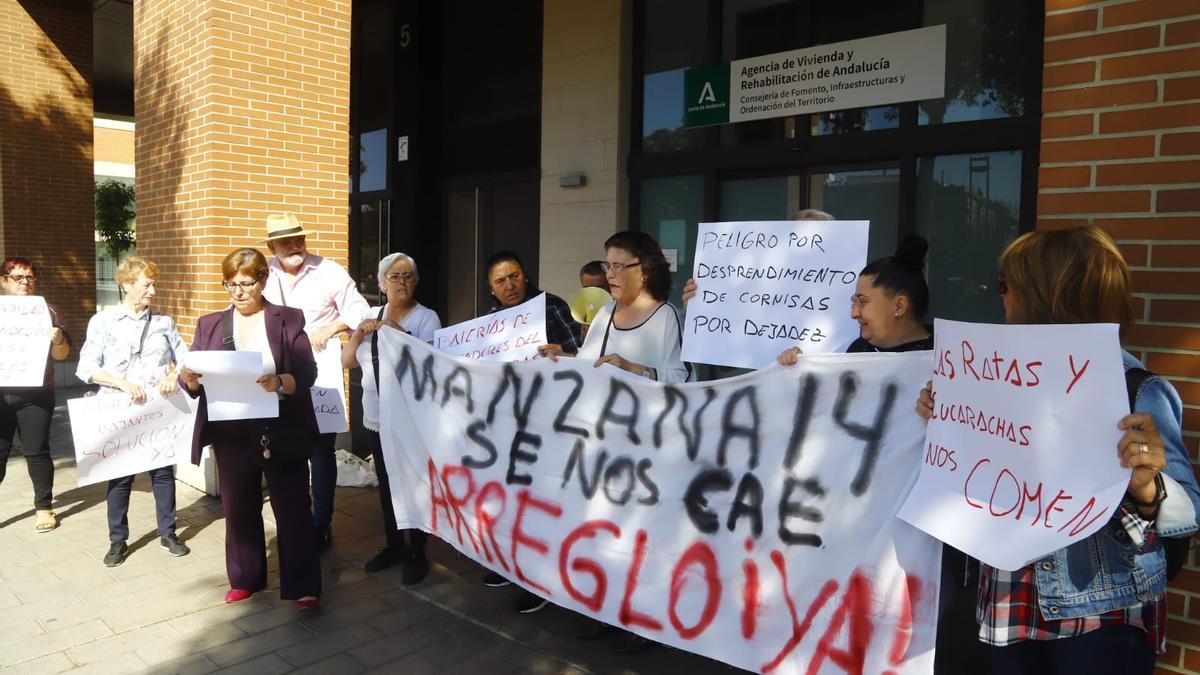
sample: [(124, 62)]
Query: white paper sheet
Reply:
[(1020, 457), (328, 395), (116, 437), (24, 340), (230, 385), (767, 286), (510, 335)]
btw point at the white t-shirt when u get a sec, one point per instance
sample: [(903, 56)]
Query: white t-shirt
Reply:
[(655, 343), (421, 322)]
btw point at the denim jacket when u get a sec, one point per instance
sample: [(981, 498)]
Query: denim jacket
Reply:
[(1109, 570)]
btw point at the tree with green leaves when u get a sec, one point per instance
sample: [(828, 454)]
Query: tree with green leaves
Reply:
[(115, 216)]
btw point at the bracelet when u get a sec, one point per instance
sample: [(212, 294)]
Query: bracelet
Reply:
[(279, 387)]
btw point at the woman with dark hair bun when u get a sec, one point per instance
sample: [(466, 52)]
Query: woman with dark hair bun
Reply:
[(888, 303)]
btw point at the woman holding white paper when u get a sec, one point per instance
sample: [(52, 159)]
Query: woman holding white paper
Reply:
[(131, 349), (398, 278), (1099, 605), (28, 410), (252, 324), (639, 331)]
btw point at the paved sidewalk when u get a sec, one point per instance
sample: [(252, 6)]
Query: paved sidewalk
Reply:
[(61, 609)]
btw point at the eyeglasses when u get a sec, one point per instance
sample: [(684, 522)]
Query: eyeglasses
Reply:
[(233, 286), (1001, 285), (617, 268), (22, 278), (399, 277), (858, 300)]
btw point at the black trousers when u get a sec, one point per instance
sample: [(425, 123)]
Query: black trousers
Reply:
[(162, 484), (1114, 649), (28, 412), (414, 547)]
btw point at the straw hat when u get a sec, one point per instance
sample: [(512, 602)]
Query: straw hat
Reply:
[(283, 225)]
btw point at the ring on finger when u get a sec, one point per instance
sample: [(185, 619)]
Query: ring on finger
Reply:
[(1143, 448)]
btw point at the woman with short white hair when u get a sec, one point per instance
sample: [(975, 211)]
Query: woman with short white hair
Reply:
[(398, 280)]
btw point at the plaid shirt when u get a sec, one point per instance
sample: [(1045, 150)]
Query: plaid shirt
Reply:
[(1007, 606), (561, 328)]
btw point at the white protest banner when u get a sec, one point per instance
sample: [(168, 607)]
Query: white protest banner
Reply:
[(1020, 457), (767, 286), (512, 334), (116, 437), (231, 387), (328, 395), (24, 340), (751, 520)]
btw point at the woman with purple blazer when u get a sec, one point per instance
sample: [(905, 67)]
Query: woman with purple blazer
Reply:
[(288, 370)]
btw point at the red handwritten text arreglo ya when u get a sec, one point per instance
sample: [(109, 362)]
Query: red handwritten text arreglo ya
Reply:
[(453, 493)]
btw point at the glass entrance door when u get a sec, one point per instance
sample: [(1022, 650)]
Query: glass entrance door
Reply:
[(482, 216)]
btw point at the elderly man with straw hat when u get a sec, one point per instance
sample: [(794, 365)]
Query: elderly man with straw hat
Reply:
[(331, 303)]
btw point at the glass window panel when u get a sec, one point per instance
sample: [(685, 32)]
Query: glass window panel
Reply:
[(857, 119), (670, 210), (986, 59), (662, 115), (773, 198), (968, 208), (675, 34), (861, 194), (369, 227), (372, 160)]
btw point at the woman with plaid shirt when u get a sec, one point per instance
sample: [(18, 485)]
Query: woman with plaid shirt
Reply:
[(1098, 605)]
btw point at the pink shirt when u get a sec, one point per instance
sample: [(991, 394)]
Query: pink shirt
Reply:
[(322, 290)]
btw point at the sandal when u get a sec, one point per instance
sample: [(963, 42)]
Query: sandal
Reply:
[(46, 520)]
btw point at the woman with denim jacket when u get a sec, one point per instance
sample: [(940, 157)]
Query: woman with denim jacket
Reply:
[(1098, 605)]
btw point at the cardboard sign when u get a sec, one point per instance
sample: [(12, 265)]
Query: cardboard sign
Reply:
[(750, 520), (328, 395), (513, 334), (116, 437), (1020, 457), (24, 340), (767, 286)]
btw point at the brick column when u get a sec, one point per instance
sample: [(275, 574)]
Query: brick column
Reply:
[(1121, 148), (46, 186), (242, 110), (585, 129)]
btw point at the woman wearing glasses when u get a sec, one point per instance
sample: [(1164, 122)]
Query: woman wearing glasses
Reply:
[(131, 349), (28, 410), (639, 331), (277, 333), (397, 276)]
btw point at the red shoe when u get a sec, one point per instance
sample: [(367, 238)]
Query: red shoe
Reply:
[(237, 595), (306, 604)]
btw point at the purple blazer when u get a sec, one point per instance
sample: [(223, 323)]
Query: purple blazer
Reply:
[(293, 355)]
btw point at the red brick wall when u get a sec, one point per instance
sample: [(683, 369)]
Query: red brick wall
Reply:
[(46, 211), (1121, 148), (242, 110)]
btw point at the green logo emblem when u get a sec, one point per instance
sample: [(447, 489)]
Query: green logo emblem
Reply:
[(706, 93)]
